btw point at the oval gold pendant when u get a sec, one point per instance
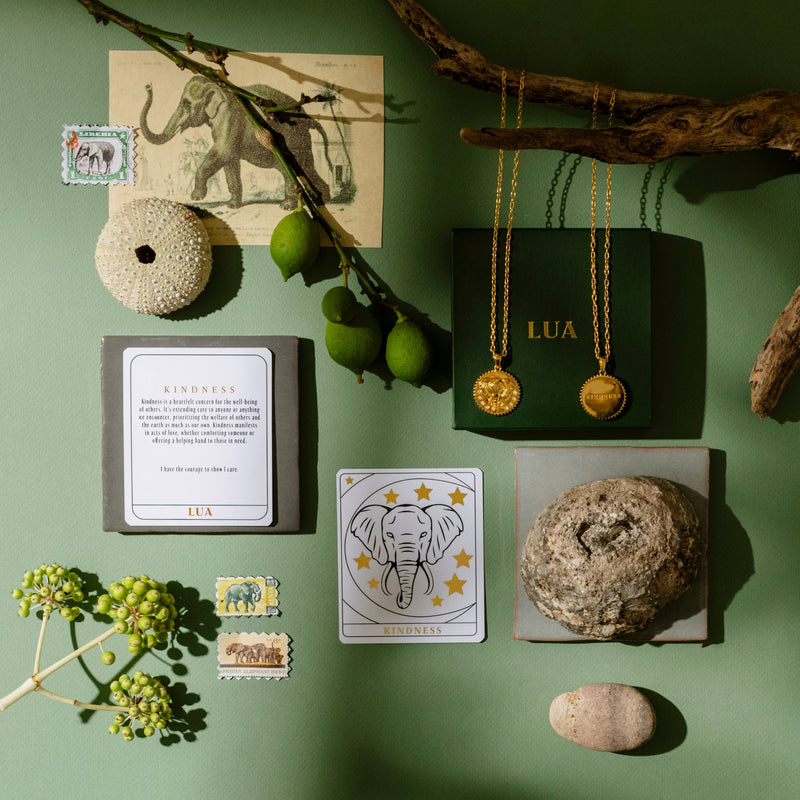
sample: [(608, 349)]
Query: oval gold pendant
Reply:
[(496, 392), (603, 396)]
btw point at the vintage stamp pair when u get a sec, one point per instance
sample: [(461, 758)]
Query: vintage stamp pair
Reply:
[(250, 655), (97, 154)]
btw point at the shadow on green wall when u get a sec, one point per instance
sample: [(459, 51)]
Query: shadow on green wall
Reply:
[(733, 172), (223, 285), (730, 554), (670, 726)]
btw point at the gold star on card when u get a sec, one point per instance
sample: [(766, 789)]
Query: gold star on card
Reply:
[(362, 561), (462, 559), (373, 584), (437, 601), (349, 480), (423, 493), (455, 585), (391, 496), (457, 497)]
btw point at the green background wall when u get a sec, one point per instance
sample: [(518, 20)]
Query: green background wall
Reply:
[(435, 720)]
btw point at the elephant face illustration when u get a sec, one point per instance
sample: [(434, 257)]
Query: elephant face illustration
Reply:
[(406, 538)]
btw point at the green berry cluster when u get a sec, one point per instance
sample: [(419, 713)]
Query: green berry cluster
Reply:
[(50, 586), (143, 609), (145, 700)]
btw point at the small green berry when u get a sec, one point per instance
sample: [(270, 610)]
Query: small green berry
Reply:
[(104, 603), (117, 591), (108, 658), (112, 729)]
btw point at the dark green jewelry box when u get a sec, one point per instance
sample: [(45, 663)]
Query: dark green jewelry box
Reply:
[(550, 330)]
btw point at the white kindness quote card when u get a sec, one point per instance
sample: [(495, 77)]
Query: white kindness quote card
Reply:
[(198, 436), (410, 555)]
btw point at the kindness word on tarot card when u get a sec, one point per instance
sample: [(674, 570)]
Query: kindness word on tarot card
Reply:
[(410, 555)]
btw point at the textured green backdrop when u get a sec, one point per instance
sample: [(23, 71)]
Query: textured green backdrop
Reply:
[(394, 721)]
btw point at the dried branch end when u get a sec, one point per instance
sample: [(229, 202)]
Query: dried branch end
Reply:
[(778, 360)]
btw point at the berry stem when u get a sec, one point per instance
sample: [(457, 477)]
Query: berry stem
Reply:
[(38, 657), (79, 703), (32, 684)]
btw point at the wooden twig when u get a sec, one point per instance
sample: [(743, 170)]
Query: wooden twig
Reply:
[(660, 126), (778, 360)]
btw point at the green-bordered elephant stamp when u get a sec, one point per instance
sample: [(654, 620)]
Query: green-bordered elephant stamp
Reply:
[(247, 597), (253, 655), (97, 154)]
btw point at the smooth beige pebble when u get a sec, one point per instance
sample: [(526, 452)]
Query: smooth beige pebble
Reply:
[(611, 717)]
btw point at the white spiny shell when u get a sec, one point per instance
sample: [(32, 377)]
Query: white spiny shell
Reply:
[(154, 256)]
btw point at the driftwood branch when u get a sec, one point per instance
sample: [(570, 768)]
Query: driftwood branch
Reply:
[(658, 126), (778, 360)]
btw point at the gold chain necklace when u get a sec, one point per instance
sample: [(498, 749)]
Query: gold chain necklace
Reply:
[(602, 396), (497, 392)]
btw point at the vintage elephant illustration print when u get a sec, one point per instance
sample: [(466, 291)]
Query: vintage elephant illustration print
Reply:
[(98, 157), (204, 102), (248, 593), (407, 539)]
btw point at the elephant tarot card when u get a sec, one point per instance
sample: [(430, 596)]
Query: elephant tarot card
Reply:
[(410, 555)]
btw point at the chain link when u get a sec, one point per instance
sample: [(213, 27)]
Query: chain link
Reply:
[(498, 356), (605, 356)]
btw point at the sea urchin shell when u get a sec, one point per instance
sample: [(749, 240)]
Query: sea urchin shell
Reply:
[(154, 256)]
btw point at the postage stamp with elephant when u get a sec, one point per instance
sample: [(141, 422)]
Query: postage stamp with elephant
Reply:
[(247, 597), (253, 655), (97, 154)]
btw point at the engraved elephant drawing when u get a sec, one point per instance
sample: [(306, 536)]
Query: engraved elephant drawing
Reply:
[(248, 593), (407, 539), (98, 156), (203, 102)]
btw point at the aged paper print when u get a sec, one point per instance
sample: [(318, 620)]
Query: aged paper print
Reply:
[(193, 145)]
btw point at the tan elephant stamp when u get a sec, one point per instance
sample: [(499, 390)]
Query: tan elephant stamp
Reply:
[(253, 655), (247, 597)]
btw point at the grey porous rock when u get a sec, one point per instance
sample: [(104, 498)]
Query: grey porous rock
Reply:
[(604, 558), (611, 717)]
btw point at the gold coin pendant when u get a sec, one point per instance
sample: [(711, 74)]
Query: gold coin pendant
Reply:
[(496, 392), (603, 396)]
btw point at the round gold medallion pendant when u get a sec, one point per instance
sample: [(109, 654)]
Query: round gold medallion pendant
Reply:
[(603, 396), (496, 392)]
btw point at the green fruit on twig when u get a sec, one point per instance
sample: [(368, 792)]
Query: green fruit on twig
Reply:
[(339, 304), (409, 354), (294, 245), (354, 344)]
